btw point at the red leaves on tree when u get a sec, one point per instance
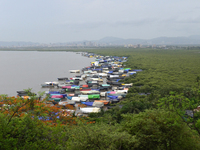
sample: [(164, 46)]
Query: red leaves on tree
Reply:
[(48, 114)]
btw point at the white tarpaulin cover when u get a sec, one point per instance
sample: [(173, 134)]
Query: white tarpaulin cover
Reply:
[(76, 99), (98, 104), (89, 92), (103, 94), (90, 110)]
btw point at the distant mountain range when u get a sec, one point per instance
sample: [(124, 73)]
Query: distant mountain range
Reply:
[(191, 40), (194, 39)]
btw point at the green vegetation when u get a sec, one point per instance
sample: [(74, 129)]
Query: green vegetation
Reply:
[(155, 121)]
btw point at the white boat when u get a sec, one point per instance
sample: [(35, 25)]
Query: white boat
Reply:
[(130, 84), (77, 78), (132, 72), (52, 83), (83, 97), (97, 79), (106, 71), (121, 91), (121, 71), (63, 103), (88, 71), (74, 71), (94, 72), (90, 92), (63, 84), (90, 110), (103, 94), (113, 76), (102, 74), (83, 76), (76, 99)]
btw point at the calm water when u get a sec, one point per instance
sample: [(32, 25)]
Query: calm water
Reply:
[(22, 69)]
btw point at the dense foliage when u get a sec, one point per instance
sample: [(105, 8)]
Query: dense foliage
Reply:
[(153, 121)]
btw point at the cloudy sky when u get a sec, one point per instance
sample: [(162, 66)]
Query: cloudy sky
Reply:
[(74, 20)]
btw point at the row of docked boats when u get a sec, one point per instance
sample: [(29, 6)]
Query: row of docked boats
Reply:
[(92, 88)]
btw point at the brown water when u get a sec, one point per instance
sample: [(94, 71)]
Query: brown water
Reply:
[(29, 69)]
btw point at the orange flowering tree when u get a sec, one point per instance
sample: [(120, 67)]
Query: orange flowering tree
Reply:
[(47, 113)]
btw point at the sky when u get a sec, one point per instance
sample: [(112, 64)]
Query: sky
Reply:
[(51, 21)]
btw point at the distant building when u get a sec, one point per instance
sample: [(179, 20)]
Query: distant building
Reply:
[(139, 45)]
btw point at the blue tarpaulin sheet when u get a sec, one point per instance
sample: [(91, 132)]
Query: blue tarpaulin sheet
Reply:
[(88, 103)]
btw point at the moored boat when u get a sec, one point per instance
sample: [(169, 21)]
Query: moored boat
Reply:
[(63, 78), (74, 71)]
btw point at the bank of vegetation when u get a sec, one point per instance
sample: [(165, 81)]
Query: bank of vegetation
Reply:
[(165, 118)]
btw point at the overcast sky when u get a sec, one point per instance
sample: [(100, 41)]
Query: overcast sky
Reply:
[(74, 20)]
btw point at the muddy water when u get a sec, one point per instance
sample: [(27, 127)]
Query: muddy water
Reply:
[(29, 69)]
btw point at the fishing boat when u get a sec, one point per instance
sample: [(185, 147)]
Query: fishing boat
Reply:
[(77, 78), (70, 90), (94, 96), (60, 85), (83, 97), (63, 103), (63, 78), (103, 101), (128, 85), (122, 91), (50, 84), (102, 74), (115, 94), (76, 82), (96, 79), (103, 94), (91, 83), (83, 76), (112, 97), (114, 83), (94, 104), (54, 99), (85, 89), (58, 95), (22, 93), (84, 86), (113, 76), (74, 98), (87, 71), (74, 71), (90, 92), (52, 92)]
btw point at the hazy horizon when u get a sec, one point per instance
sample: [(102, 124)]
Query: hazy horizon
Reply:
[(66, 21)]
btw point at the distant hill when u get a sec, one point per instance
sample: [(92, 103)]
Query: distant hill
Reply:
[(120, 41), (194, 39), (191, 40)]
